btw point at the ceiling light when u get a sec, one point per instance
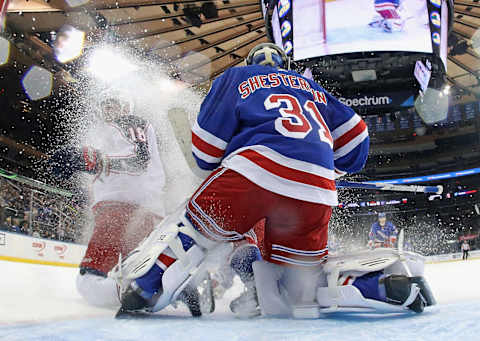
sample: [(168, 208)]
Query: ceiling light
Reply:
[(68, 44), (108, 64)]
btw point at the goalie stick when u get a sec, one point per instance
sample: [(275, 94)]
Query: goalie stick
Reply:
[(182, 129), (390, 187)]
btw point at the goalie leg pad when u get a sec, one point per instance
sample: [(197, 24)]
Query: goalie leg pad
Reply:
[(408, 265), (158, 282), (166, 235), (286, 291), (176, 278), (272, 299)]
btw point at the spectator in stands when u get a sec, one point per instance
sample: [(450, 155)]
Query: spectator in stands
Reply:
[(15, 226), (8, 223), (43, 209), (3, 225), (24, 227), (36, 234), (465, 249)]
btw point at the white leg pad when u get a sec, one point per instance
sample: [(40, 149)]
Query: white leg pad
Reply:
[(178, 276), (286, 291), (335, 297), (271, 296), (350, 299), (140, 260)]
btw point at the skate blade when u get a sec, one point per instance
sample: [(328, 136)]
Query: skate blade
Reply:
[(123, 314)]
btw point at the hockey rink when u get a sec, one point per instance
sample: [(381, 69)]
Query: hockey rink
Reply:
[(353, 33), (39, 302)]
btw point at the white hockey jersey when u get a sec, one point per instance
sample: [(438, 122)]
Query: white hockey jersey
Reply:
[(132, 169)]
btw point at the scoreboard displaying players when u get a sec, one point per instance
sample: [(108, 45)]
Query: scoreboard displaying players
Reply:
[(365, 51), (315, 28)]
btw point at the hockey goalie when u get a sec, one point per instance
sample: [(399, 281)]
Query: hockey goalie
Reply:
[(274, 142)]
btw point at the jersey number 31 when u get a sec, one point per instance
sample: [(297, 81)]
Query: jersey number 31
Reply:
[(293, 122)]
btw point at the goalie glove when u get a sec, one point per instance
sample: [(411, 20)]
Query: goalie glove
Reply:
[(67, 161)]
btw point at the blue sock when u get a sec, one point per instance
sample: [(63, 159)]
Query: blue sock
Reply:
[(242, 261), (151, 282), (369, 286)]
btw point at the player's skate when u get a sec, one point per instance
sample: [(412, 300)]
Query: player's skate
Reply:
[(162, 267), (376, 22), (393, 25), (132, 302)]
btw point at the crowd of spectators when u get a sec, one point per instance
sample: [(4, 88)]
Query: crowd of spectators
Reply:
[(40, 214)]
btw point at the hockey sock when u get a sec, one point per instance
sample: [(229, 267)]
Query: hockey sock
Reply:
[(369, 285), (242, 260), (150, 283), (389, 14), (388, 9)]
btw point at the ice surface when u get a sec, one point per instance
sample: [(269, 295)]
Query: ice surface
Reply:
[(40, 303)]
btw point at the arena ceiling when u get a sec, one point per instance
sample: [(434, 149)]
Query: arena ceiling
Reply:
[(221, 33), (200, 38), (208, 36)]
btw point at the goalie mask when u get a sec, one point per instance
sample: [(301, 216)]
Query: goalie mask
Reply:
[(268, 54)]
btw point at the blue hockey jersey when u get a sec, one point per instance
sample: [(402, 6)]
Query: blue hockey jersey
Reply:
[(383, 235), (280, 130)]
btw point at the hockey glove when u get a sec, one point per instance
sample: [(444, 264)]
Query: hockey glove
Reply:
[(67, 161)]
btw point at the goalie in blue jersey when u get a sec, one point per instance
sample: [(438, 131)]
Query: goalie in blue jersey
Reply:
[(388, 17), (273, 143)]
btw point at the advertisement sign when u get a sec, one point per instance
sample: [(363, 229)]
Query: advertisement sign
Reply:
[(18, 247), (451, 257), (422, 74), (284, 11), (379, 100), (468, 237), (438, 22)]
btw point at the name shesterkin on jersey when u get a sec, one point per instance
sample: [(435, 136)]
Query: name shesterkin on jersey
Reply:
[(274, 80), (281, 131)]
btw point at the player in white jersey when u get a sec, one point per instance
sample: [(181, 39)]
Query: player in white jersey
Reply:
[(128, 176)]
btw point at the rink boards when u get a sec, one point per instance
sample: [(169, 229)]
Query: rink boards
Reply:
[(20, 248)]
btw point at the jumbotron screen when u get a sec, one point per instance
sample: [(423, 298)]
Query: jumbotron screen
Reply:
[(316, 28)]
